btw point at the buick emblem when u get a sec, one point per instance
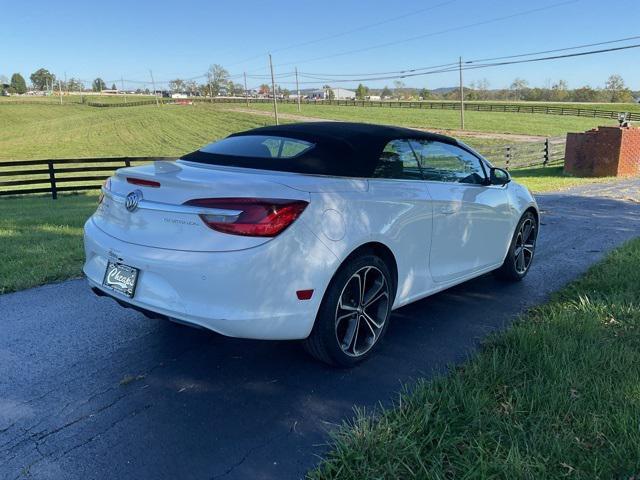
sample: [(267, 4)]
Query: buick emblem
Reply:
[(132, 200)]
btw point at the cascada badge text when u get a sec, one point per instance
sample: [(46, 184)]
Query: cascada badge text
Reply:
[(132, 200)]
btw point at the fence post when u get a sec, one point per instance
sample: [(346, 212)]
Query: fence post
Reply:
[(546, 152), (52, 180), (127, 162), (507, 155)]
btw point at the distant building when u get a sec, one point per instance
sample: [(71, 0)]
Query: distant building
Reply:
[(375, 98), (338, 94)]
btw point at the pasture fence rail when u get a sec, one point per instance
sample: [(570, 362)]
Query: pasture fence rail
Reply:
[(425, 105), (53, 176), (549, 152)]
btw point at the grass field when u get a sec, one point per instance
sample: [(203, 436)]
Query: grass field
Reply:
[(556, 396), (41, 240), (49, 131), (520, 123)]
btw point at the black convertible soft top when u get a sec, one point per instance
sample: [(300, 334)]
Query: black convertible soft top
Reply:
[(341, 148)]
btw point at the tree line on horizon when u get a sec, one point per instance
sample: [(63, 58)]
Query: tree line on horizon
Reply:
[(219, 81), (614, 91)]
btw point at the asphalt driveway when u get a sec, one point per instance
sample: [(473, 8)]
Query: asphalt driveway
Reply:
[(90, 390)]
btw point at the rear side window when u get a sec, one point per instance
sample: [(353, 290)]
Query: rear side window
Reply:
[(397, 160), (259, 146)]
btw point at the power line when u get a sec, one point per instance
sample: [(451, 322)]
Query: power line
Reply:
[(431, 34), (348, 32), (473, 66), (608, 42), (416, 69)]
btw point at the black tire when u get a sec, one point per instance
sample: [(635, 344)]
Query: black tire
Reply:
[(323, 343), (518, 261)]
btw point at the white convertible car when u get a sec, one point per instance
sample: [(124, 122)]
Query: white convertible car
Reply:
[(312, 231)]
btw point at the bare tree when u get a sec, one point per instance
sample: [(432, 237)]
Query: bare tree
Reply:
[(518, 85), (218, 77), (177, 85)]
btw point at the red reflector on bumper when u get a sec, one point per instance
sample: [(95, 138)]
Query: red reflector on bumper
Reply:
[(304, 294)]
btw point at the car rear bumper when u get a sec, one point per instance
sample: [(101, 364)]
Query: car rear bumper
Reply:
[(247, 293)]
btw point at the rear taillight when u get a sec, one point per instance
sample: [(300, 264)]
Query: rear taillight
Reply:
[(260, 217), (143, 182)]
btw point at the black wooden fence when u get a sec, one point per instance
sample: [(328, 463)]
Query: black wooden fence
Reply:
[(468, 106), (18, 177), (526, 154)]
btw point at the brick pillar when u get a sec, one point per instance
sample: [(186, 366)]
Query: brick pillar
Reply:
[(604, 152)]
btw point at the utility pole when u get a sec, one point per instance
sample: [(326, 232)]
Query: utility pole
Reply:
[(246, 91), (60, 90), (461, 98), (298, 89), (273, 88), (153, 83), (122, 86)]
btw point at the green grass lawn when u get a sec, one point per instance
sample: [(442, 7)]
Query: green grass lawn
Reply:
[(544, 179), (555, 396), (50, 131), (520, 123), (42, 239)]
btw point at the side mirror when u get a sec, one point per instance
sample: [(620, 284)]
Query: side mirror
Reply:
[(499, 176)]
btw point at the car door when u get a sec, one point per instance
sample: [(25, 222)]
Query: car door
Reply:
[(471, 219), (402, 211)]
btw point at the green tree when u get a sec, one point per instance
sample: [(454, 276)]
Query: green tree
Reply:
[(113, 86), (362, 92), (75, 85), (424, 94), (617, 90), (42, 79), (218, 78), (585, 94), (385, 92), (98, 85), (18, 85)]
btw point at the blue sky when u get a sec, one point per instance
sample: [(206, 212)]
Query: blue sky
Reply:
[(182, 39)]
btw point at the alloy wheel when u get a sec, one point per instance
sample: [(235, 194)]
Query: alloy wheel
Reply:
[(525, 245), (362, 311)]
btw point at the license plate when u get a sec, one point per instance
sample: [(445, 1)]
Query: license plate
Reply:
[(121, 278)]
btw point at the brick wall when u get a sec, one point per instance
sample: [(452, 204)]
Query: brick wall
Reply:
[(604, 151)]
